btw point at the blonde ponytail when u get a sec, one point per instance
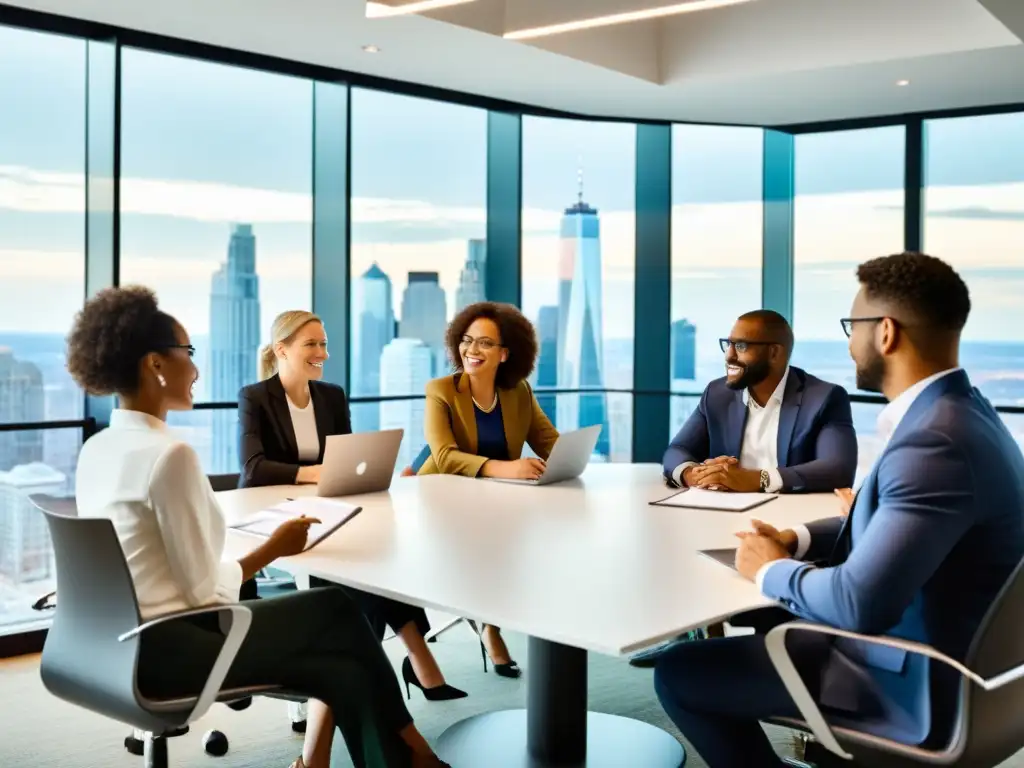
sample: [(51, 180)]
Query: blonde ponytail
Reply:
[(285, 326), (268, 362)]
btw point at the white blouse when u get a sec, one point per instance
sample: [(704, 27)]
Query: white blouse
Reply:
[(304, 423), (151, 486)]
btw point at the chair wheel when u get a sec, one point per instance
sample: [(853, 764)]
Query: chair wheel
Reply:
[(299, 726), (134, 746), (241, 704), (215, 743)]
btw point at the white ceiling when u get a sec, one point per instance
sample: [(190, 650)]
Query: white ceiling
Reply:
[(764, 62)]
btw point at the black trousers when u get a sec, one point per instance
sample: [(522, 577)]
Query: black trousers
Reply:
[(316, 642), (382, 612)]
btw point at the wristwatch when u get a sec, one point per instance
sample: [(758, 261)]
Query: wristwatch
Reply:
[(766, 480)]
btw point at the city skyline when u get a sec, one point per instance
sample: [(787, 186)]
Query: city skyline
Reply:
[(204, 146)]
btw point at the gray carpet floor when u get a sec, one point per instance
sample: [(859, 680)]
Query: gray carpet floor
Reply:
[(40, 731)]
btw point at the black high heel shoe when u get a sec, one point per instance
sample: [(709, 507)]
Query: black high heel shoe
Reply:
[(510, 670), (438, 693)]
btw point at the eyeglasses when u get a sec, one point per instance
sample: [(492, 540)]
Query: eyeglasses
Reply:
[(848, 322), (741, 345), (187, 347), (485, 344)]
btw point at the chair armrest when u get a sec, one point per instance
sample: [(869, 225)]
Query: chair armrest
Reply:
[(241, 618), (775, 642)]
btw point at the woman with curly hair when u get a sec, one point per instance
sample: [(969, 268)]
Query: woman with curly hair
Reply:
[(478, 420), (151, 486)]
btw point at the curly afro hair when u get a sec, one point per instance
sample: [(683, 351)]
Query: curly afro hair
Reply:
[(111, 334), (517, 336), (925, 290)]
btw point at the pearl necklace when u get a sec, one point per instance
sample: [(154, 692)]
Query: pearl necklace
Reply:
[(487, 410)]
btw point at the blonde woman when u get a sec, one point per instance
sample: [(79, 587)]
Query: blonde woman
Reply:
[(284, 421)]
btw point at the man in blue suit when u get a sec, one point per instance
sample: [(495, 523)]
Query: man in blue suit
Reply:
[(766, 426), (933, 534)]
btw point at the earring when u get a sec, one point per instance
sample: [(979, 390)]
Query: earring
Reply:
[(161, 379)]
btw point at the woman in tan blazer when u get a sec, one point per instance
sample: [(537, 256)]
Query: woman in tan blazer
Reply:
[(478, 419)]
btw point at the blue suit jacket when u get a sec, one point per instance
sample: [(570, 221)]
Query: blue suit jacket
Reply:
[(934, 533), (817, 446)]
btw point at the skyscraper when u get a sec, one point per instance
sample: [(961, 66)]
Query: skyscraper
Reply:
[(21, 399), (406, 365), (684, 350), (374, 328), (234, 340), (25, 552), (547, 360), (425, 317), (580, 337), (472, 279)]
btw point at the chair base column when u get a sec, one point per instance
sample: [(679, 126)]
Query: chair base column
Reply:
[(156, 752)]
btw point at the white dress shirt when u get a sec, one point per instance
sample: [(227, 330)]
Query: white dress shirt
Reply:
[(304, 423), (888, 420), (151, 486), (760, 448)]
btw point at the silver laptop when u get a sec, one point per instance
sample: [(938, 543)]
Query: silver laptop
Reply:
[(568, 458), (363, 462)]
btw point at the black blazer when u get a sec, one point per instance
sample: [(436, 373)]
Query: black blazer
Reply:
[(267, 449)]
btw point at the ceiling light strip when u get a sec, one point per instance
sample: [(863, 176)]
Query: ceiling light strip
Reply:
[(380, 10), (621, 18)]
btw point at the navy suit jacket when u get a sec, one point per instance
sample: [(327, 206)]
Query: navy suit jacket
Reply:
[(934, 533), (817, 446)]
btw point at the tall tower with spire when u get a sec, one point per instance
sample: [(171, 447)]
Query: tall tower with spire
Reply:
[(234, 339), (580, 336)]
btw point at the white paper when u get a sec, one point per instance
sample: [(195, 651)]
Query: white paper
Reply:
[(698, 498), (331, 513)]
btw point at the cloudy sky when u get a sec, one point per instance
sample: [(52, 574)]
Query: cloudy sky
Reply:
[(206, 145)]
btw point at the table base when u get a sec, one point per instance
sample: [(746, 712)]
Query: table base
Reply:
[(556, 729)]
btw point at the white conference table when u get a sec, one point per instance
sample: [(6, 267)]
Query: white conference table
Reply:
[(584, 565)]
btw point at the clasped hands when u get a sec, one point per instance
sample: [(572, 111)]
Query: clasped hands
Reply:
[(723, 474), (765, 543)]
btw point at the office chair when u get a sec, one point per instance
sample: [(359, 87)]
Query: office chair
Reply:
[(989, 724), (91, 650)]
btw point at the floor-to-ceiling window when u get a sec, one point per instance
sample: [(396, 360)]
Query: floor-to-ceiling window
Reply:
[(717, 223), (42, 281), (419, 250), (216, 216), (848, 208), (974, 219), (578, 262)]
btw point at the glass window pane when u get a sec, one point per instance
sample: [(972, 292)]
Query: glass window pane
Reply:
[(974, 219), (717, 224), (42, 227), (848, 209), (579, 260), (419, 223), (26, 556), (216, 201)]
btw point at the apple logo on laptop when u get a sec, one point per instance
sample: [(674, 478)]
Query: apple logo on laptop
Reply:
[(361, 468)]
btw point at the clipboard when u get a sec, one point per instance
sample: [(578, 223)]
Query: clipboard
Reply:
[(332, 514), (718, 501)]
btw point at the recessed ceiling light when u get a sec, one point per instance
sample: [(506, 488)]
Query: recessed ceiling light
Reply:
[(376, 10), (621, 18), (371, 49), (902, 83)]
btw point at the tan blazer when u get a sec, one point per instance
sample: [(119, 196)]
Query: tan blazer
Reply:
[(450, 426)]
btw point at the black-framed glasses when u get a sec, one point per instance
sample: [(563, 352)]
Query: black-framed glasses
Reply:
[(741, 345), (848, 323), (187, 347)]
